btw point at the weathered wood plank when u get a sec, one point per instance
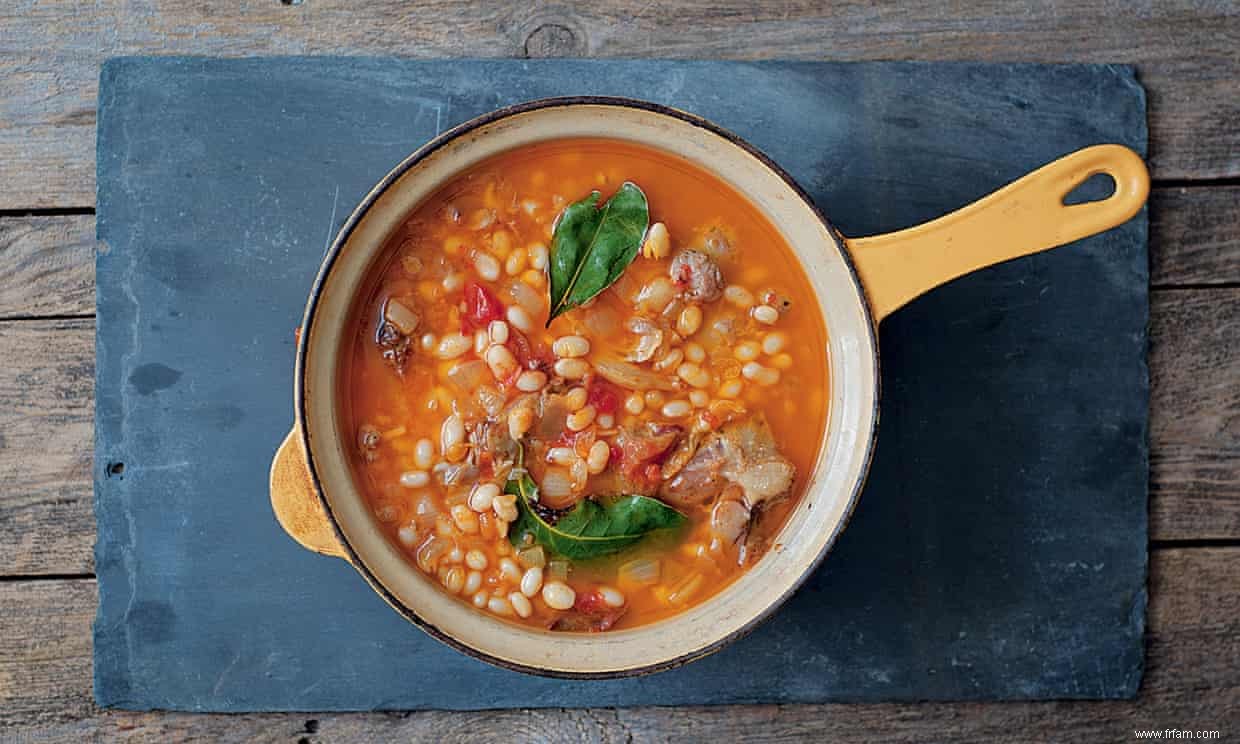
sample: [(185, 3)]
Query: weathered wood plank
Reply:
[(1195, 235), (1193, 681), (49, 266), (52, 51), (46, 433), (1195, 414), (45, 651), (49, 261)]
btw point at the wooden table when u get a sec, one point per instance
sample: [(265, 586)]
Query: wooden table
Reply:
[(1188, 56)]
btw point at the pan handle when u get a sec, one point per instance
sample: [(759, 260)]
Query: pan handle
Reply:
[(295, 500), (1026, 216)]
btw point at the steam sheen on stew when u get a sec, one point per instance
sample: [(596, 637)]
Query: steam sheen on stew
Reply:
[(624, 462)]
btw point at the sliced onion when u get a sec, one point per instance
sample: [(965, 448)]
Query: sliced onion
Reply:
[(631, 376), (639, 572), (558, 570), (601, 321), (467, 376), (534, 557), (400, 315)]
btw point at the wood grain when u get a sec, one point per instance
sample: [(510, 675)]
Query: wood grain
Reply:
[(49, 266), (46, 440), (51, 52), (1195, 235), (1195, 414), (46, 443), (1192, 681)]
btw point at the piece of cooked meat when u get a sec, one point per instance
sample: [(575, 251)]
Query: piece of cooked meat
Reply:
[(697, 275), (743, 453), (641, 449)]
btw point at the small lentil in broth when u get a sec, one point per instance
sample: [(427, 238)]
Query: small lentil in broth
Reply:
[(451, 332)]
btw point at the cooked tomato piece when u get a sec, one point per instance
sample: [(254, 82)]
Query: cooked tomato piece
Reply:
[(603, 396), (481, 307)]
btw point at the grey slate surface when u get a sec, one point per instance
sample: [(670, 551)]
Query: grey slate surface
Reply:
[(998, 552)]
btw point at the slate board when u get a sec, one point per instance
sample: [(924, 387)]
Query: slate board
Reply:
[(998, 552)]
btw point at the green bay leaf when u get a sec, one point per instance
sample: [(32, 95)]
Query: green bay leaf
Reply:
[(590, 529), (591, 247)]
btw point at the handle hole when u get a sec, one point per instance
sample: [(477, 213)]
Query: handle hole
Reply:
[(1098, 187)]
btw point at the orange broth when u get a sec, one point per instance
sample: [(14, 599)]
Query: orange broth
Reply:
[(501, 214)]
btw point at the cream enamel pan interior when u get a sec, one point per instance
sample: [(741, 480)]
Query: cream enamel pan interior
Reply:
[(317, 501)]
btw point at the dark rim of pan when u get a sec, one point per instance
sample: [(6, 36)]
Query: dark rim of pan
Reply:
[(342, 238)]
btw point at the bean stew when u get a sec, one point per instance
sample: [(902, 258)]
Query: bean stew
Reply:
[(586, 382)]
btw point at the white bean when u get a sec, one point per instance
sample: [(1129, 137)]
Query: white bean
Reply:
[(454, 581), (520, 419), (774, 342), (575, 399), (509, 570), (515, 263), (483, 495), (571, 346), (466, 521), (473, 582), (564, 456), (765, 314), (695, 353), (480, 341), (572, 369), (690, 321), (505, 507), (502, 363), (658, 243), (531, 381), (476, 560), (520, 604), (538, 256), (452, 282), (764, 376), (693, 374), (747, 351), (738, 296), (519, 318), (611, 596), (558, 595), (782, 361), (499, 606), (497, 332), (424, 454), (532, 581), (579, 420), (676, 409), (605, 420), (635, 404), (670, 360), (596, 461), (487, 266), (428, 341), (730, 389), (451, 433), (480, 599), (415, 478), (453, 345), (407, 536), (699, 398)]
